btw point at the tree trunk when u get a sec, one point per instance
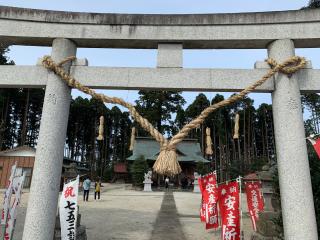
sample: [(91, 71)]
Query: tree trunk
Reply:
[(5, 115), (227, 151), (249, 138), (25, 118), (266, 134)]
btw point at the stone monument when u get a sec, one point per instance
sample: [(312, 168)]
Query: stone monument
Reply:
[(147, 182), (196, 188)]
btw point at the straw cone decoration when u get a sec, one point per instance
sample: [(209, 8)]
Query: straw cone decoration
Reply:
[(167, 162), (101, 129), (209, 150), (236, 127), (133, 138)]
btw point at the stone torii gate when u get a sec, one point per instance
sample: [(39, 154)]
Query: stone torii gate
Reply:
[(279, 32)]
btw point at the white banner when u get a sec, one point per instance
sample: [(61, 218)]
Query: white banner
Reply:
[(17, 186), (7, 196), (69, 210)]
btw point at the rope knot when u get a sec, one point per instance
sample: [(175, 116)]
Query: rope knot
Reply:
[(289, 66), (167, 147)]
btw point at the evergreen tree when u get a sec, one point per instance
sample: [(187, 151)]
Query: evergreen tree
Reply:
[(82, 134), (180, 120), (5, 131), (138, 169), (157, 107), (314, 4), (20, 113)]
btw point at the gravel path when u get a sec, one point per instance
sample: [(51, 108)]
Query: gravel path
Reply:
[(123, 214), (167, 225)]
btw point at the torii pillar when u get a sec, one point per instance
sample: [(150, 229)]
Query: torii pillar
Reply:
[(44, 191), (298, 213)]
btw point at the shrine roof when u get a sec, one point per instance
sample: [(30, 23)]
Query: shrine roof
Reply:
[(188, 150)]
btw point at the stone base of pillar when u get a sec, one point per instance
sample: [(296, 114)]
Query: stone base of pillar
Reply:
[(147, 186), (196, 188)]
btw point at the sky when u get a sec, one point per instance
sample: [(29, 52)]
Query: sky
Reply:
[(238, 59)]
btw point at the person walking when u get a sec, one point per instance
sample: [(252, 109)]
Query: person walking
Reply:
[(86, 189), (166, 182), (97, 189)]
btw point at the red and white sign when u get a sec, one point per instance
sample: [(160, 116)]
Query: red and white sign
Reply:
[(255, 201), (12, 213), (315, 143), (209, 208), (69, 210), (7, 196), (229, 200)]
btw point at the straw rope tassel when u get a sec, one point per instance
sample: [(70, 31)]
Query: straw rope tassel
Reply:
[(133, 138), (209, 150), (236, 126), (167, 161), (101, 129)]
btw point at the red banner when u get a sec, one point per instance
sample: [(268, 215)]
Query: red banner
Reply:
[(254, 200), (229, 210), (210, 199), (203, 205), (315, 143)]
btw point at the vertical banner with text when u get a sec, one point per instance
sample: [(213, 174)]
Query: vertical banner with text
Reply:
[(229, 200), (255, 201), (209, 208), (68, 209)]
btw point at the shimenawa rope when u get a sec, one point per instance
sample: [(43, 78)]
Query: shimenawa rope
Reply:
[(167, 163)]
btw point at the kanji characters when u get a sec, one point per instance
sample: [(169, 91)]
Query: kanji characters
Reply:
[(230, 213), (254, 200), (229, 202), (230, 234), (69, 192)]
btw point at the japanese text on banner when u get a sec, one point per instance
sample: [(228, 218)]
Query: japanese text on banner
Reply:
[(254, 200), (209, 209), (229, 209), (69, 210)]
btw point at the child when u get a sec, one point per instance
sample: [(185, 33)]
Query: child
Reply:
[(97, 189)]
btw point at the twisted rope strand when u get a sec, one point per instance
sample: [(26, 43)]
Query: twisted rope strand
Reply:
[(288, 67), (57, 69), (167, 162)]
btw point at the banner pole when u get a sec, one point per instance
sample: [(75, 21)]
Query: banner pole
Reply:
[(240, 206)]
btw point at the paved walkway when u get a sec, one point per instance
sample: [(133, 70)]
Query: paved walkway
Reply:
[(167, 225)]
